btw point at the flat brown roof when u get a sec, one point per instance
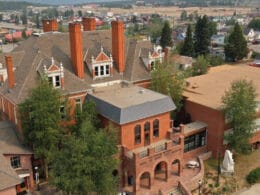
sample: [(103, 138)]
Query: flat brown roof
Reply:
[(208, 89)]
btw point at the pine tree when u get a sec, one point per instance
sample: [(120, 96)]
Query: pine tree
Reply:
[(202, 36), (166, 36), (236, 47), (188, 47)]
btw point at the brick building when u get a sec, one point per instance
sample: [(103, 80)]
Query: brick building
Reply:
[(16, 174), (81, 63), (203, 101)]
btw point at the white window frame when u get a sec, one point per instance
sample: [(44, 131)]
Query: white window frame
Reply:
[(54, 81), (99, 69)]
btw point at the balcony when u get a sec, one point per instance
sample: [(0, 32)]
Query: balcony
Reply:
[(154, 149)]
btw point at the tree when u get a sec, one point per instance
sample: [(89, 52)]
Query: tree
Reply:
[(201, 66), (236, 47), (202, 36), (168, 82), (87, 157), (188, 47), (38, 21), (212, 28), (80, 13), (166, 35), (239, 109), (40, 116), (24, 17), (254, 23), (183, 15)]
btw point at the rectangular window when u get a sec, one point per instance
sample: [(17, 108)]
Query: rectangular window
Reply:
[(102, 70), (96, 71), (62, 112), (15, 162), (137, 134), (78, 103), (57, 81), (107, 69), (195, 141)]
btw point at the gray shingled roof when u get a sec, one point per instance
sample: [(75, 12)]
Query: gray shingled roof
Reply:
[(123, 104), (9, 143), (8, 177), (32, 53)]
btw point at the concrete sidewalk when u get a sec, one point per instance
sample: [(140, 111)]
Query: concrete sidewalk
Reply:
[(253, 190)]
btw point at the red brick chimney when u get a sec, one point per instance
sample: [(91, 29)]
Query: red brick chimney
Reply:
[(50, 25), (89, 24), (76, 51), (10, 72), (118, 45)]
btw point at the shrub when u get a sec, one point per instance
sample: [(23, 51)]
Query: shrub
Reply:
[(253, 176)]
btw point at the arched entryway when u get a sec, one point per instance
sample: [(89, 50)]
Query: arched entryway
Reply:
[(145, 180), (160, 171), (175, 169)]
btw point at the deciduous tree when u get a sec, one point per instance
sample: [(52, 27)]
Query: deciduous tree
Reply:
[(167, 81), (40, 116), (239, 109), (86, 161), (201, 66)]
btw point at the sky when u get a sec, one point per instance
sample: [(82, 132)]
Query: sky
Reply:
[(59, 2)]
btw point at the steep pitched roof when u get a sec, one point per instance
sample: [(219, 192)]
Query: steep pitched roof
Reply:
[(8, 177), (33, 53)]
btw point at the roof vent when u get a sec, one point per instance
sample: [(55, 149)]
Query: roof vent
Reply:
[(141, 91)]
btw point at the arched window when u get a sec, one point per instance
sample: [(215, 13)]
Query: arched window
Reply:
[(137, 134), (156, 128), (147, 127)]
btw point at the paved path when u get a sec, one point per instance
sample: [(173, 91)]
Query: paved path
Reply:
[(254, 190)]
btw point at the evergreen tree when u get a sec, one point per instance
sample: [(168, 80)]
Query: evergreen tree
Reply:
[(40, 116), (168, 82), (239, 109), (87, 157), (24, 17), (202, 36), (38, 21), (166, 36), (236, 47), (188, 47)]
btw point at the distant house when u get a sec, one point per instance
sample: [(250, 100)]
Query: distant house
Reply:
[(249, 34), (183, 62), (217, 40), (16, 173), (217, 51)]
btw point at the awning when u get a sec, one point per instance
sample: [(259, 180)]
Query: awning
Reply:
[(22, 173)]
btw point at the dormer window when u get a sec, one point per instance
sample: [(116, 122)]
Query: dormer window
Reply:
[(54, 80), (101, 65), (55, 74)]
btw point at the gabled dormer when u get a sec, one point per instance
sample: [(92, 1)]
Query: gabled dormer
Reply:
[(55, 74), (151, 56), (100, 65)]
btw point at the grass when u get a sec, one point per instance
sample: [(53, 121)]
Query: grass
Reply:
[(243, 165)]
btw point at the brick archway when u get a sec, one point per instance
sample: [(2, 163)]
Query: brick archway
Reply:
[(161, 171), (176, 167), (145, 180)]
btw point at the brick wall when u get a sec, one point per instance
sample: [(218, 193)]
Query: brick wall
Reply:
[(215, 121), (25, 160), (128, 134)]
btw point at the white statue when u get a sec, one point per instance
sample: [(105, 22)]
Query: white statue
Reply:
[(228, 162)]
